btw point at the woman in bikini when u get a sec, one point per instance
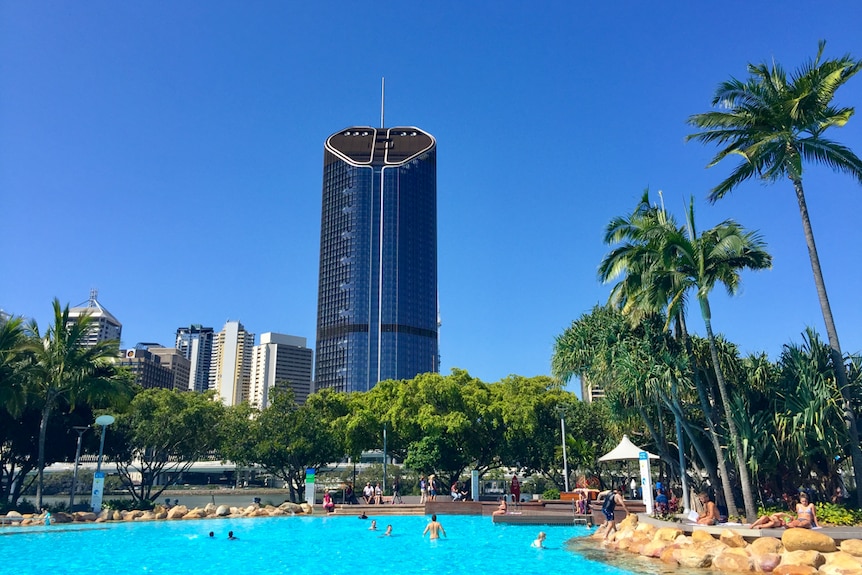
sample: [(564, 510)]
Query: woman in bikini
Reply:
[(773, 521), (806, 517)]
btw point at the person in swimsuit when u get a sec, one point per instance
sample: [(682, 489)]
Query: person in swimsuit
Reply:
[(539, 542), (611, 501), (772, 521), (502, 509), (710, 510), (434, 528), (806, 517)]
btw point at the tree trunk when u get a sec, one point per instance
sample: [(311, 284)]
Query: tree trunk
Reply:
[(43, 432), (832, 334), (742, 465), (721, 463)]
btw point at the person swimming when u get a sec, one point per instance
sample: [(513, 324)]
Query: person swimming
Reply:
[(231, 537), (539, 541)]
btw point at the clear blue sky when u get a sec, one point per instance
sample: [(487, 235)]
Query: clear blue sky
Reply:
[(170, 155)]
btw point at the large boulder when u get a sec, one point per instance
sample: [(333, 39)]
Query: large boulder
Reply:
[(210, 509), (655, 548), (797, 539), (178, 512), (807, 557), (14, 514), (694, 556), (667, 534), (222, 511), (732, 538), (701, 536), (766, 545), (61, 517), (668, 555), (794, 570), (733, 559), (196, 513), (841, 563), (85, 516), (852, 546), (766, 562)]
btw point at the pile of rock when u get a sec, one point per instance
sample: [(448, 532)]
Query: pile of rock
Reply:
[(798, 552), (160, 512)]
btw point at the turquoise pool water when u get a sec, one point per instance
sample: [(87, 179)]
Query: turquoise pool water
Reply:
[(296, 545)]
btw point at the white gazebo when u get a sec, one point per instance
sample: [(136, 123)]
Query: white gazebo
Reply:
[(625, 450)]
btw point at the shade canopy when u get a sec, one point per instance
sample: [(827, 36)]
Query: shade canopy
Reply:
[(625, 450)]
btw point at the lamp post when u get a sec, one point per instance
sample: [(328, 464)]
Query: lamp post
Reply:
[(565, 462), (99, 477), (80, 429)]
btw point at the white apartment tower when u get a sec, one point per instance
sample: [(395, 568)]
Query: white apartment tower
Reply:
[(103, 326), (195, 343), (230, 371), (281, 361)]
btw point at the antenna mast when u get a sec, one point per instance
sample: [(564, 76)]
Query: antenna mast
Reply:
[(382, 99)]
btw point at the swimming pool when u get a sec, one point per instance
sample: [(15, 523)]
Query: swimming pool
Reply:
[(334, 545)]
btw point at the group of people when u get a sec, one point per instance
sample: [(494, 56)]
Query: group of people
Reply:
[(806, 517), (428, 488)]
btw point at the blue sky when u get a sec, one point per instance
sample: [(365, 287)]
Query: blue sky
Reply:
[(170, 155)]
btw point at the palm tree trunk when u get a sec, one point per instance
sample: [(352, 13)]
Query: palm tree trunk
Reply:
[(832, 334), (43, 432), (720, 461), (742, 466)]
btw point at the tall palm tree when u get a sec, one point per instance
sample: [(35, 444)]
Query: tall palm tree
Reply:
[(774, 123), (13, 365), (65, 369), (668, 263), (646, 289)]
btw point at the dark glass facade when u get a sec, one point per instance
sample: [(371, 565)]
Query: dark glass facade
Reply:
[(377, 297)]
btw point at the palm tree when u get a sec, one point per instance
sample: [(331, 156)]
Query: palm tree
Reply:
[(13, 365), (65, 369), (646, 289), (773, 124), (667, 262)]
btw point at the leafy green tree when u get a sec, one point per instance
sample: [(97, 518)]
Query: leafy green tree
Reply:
[(772, 124), (66, 370), (293, 438), (14, 360), (161, 435)]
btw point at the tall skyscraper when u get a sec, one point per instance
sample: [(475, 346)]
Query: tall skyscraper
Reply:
[(377, 297), (230, 371), (103, 326), (196, 344), (280, 361)]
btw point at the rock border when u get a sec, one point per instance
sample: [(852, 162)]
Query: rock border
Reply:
[(798, 552), (160, 512)]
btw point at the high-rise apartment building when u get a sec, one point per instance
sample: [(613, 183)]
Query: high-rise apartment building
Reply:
[(230, 371), (196, 344), (179, 366), (280, 361), (147, 367), (377, 297), (103, 326)]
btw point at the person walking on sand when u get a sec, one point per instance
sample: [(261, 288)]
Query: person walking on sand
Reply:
[(434, 528)]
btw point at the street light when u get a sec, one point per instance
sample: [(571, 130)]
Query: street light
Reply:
[(99, 477), (80, 429), (562, 414)]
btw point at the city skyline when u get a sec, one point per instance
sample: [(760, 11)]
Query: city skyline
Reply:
[(170, 158)]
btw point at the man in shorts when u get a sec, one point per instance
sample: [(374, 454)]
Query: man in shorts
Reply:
[(613, 499)]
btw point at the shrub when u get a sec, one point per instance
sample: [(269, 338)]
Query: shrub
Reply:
[(837, 514), (551, 493)]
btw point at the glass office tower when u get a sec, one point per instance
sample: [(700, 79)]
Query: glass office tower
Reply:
[(377, 298)]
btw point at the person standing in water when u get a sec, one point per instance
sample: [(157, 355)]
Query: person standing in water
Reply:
[(434, 528)]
